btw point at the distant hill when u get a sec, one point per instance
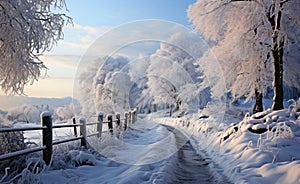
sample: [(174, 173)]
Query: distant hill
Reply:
[(7, 102)]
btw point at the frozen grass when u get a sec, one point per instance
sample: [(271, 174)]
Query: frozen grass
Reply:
[(31, 174), (30, 168)]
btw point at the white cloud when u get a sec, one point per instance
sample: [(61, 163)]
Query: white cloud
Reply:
[(61, 65), (51, 87), (65, 61), (140, 37), (97, 31), (87, 39), (75, 45), (78, 38)]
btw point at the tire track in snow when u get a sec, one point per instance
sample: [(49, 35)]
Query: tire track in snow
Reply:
[(188, 166)]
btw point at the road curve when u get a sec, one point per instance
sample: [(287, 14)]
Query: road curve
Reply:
[(189, 167)]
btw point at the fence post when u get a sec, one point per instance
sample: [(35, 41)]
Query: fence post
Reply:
[(126, 121), (47, 136), (130, 117), (133, 116), (75, 128), (99, 125), (110, 123), (118, 120), (83, 132)]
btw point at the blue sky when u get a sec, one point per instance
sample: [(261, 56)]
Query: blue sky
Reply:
[(115, 12), (92, 19)]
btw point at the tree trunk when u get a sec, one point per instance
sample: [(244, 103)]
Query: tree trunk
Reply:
[(277, 53), (278, 79), (258, 107)]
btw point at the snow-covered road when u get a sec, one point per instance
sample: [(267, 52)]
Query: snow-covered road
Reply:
[(148, 153), (190, 167)]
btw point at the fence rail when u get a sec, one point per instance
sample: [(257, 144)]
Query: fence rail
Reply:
[(20, 129), (47, 132)]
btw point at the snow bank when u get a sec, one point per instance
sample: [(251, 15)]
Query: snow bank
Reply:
[(137, 157), (143, 143), (262, 148)]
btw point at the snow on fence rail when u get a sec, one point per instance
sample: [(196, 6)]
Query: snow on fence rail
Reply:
[(47, 132)]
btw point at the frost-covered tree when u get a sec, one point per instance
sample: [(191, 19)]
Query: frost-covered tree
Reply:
[(27, 29), (104, 88), (171, 69), (84, 90), (119, 86), (66, 112), (98, 84), (26, 113), (253, 31), (139, 95), (168, 75)]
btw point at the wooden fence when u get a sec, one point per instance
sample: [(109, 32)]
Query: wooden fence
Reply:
[(47, 132)]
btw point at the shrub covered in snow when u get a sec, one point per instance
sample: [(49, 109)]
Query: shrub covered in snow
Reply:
[(10, 142), (31, 173), (66, 112), (281, 130), (26, 113), (70, 155), (78, 158), (294, 108), (30, 168)]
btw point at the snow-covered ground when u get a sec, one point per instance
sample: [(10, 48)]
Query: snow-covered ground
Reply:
[(242, 148), (147, 152), (144, 154), (262, 148)]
